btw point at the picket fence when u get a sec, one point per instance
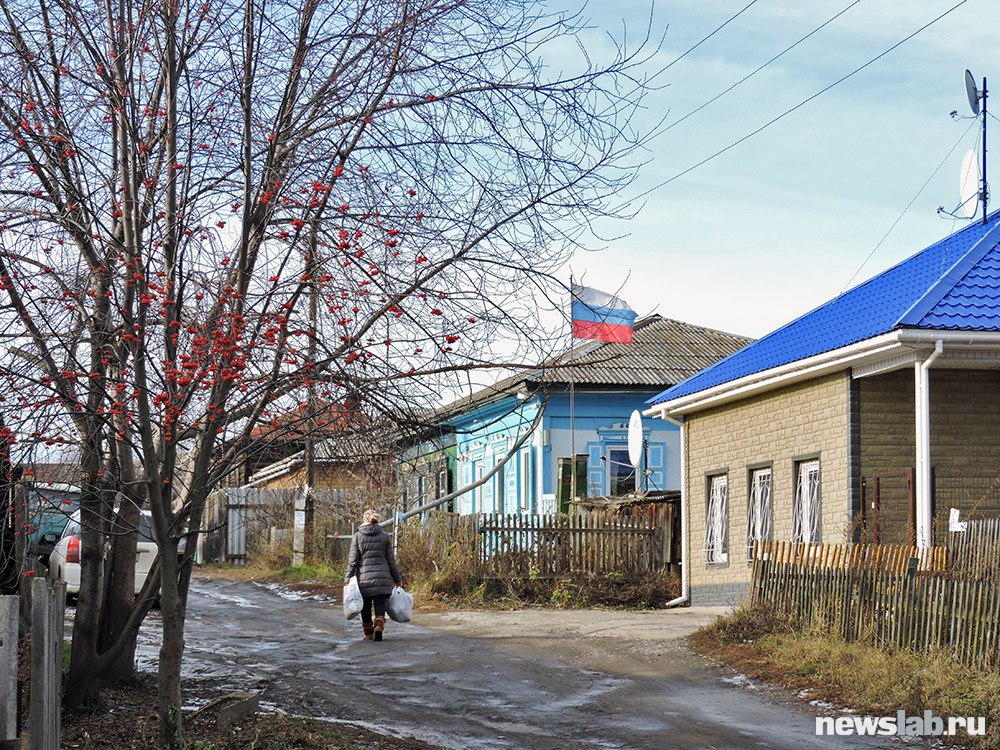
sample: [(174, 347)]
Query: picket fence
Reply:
[(975, 552), (898, 597), (555, 546)]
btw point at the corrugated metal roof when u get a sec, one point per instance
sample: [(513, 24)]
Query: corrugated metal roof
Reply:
[(662, 351), (951, 285)]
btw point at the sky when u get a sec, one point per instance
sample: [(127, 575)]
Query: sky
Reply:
[(781, 223)]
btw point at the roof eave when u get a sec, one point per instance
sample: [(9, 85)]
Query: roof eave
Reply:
[(853, 355), (787, 374)]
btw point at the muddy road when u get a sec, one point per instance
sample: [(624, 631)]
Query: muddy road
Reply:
[(534, 679)]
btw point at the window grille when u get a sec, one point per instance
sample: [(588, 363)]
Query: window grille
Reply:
[(760, 512), (808, 515), (717, 527)]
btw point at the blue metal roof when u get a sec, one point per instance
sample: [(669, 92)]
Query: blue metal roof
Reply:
[(952, 285)]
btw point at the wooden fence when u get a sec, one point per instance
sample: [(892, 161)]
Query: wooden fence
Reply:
[(555, 546), (881, 598), (890, 557), (975, 552), (48, 607), (244, 520)]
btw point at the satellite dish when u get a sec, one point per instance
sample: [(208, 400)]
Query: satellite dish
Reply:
[(972, 91), (969, 185), (635, 439)]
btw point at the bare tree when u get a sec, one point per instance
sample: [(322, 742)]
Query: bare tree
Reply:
[(180, 180)]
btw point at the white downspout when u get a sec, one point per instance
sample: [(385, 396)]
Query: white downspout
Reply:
[(685, 596), (922, 407)]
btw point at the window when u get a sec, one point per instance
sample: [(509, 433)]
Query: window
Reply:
[(500, 490), (807, 513), (478, 493), (526, 493), (621, 473), (441, 481), (759, 509), (717, 526)]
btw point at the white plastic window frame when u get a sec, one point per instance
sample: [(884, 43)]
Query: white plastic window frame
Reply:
[(760, 508), (807, 521), (717, 520)]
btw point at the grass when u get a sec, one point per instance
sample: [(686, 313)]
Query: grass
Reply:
[(869, 679)]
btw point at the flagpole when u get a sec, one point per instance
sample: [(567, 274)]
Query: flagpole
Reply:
[(572, 403)]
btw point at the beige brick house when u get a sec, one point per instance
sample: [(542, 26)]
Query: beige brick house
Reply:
[(865, 419)]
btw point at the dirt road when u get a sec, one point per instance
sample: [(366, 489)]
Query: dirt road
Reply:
[(530, 679)]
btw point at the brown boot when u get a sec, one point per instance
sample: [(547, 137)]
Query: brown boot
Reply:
[(369, 631), (378, 627)]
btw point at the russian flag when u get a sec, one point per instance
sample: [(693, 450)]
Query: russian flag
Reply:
[(602, 316)]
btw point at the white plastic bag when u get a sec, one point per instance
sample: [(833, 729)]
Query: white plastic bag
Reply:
[(400, 605), (353, 601)]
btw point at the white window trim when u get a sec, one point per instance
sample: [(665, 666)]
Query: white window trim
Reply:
[(717, 519), (760, 508), (808, 520)]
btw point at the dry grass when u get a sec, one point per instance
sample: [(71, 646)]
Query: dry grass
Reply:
[(765, 646), (273, 563), (437, 560), (131, 725), (437, 556)]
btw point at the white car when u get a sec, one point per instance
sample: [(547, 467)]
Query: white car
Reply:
[(64, 562)]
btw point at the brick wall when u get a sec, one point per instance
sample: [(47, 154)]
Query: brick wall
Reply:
[(965, 441), (806, 419)]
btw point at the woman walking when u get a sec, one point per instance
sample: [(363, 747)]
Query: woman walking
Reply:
[(373, 561)]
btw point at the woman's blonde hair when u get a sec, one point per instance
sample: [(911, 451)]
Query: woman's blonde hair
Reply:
[(372, 516)]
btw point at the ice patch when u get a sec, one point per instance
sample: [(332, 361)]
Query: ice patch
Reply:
[(741, 680), (292, 595), (239, 601)]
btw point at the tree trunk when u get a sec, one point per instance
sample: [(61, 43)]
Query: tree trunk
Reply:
[(119, 596), (81, 685), (171, 650)]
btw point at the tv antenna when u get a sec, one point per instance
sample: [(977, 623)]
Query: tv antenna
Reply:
[(975, 96), (973, 189)]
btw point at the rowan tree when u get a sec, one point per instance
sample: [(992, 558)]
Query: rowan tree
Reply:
[(214, 212)]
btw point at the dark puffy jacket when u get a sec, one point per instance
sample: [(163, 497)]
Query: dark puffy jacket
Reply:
[(373, 561)]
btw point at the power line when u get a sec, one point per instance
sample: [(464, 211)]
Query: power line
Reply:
[(804, 102), (757, 70), (908, 206), (705, 39)]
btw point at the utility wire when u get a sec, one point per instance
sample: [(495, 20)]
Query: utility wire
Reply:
[(908, 206), (757, 70), (705, 39), (801, 104)]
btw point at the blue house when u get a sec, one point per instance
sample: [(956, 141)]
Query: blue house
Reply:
[(531, 411)]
